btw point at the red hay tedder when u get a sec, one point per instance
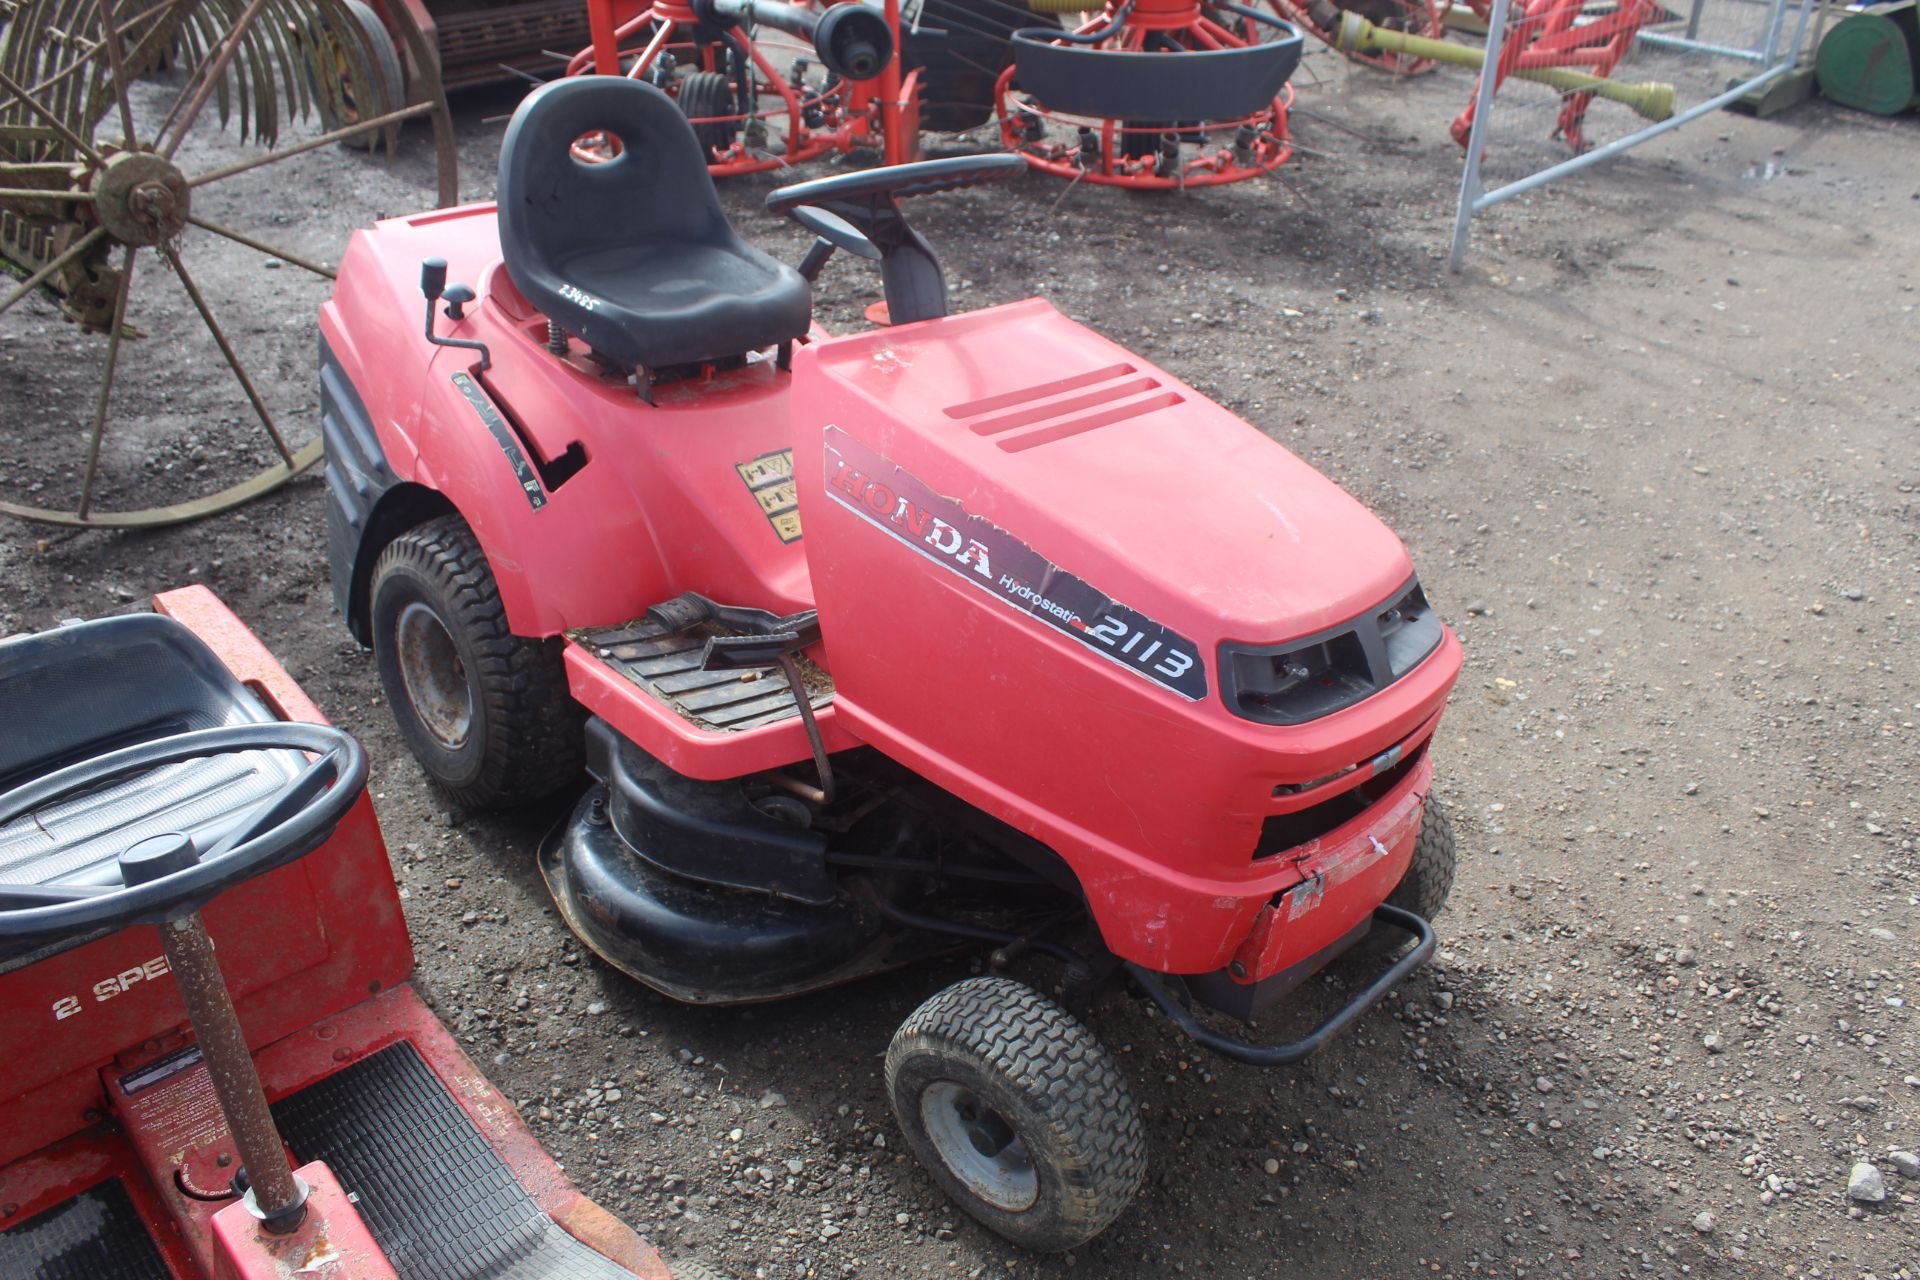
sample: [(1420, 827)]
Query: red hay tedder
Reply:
[(1153, 94)]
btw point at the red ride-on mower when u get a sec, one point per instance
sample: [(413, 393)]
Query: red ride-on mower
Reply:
[(166, 790), (977, 629)]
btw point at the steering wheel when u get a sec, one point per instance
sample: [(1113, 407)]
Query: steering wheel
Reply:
[(860, 212), (164, 877), (898, 181)]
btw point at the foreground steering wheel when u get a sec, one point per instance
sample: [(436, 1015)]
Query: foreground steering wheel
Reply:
[(860, 212), (165, 877)]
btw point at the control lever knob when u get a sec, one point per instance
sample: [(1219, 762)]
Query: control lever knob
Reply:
[(457, 296)]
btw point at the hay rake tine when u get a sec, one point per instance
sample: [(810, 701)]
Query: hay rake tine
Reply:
[(217, 68), (53, 268)]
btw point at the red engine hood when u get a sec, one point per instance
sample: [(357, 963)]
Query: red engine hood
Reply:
[(1109, 467)]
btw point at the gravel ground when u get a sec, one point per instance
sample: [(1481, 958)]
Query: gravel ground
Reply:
[(1654, 455)]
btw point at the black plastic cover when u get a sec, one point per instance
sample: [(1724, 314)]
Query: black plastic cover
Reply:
[(705, 831), (1185, 84), (693, 941), (633, 254), (357, 473), (1317, 675)]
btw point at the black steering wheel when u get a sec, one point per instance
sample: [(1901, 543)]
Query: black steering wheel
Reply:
[(165, 877), (898, 181), (860, 212)]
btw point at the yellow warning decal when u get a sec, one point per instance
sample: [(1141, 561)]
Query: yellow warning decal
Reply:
[(769, 478)]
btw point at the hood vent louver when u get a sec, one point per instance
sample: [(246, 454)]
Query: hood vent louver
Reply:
[(1063, 407)]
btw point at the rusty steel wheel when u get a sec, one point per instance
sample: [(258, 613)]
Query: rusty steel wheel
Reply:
[(102, 162)]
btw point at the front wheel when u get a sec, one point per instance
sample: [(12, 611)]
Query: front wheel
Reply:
[(1424, 888), (1018, 1113), (487, 713), (1429, 879)]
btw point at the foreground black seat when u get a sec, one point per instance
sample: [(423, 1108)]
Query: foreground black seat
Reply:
[(633, 255), (84, 690)]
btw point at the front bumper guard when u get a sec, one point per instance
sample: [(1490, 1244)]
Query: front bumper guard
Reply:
[(1169, 992)]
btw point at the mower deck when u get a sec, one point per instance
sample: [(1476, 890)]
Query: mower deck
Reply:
[(667, 664)]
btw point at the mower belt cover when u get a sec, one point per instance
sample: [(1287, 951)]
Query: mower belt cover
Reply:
[(692, 940), (704, 831), (1191, 84), (633, 254)]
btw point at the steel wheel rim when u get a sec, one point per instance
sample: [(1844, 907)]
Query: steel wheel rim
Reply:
[(979, 1147), (434, 676), (72, 235)]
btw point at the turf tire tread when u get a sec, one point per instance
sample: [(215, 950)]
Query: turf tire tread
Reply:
[(534, 742), (1022, 1037)]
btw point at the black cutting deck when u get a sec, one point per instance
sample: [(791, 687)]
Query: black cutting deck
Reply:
[(433, 1191), (667, 665), (96, 1235)]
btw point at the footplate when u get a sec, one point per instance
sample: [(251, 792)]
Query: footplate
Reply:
[(670, 665)]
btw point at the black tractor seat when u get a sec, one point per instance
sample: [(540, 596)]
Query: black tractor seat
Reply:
[(632, 254), (83, 690)]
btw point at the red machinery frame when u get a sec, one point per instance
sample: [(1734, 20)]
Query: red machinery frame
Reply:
[(1109, 151), (317, 958), (1545, 34), (885, 110)]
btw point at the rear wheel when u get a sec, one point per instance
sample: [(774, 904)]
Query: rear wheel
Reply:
[(1018, 1113), (387, 90), (487, 713)]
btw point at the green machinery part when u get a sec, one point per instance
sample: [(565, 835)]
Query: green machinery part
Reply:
[(1870, 60), (1652, 99)]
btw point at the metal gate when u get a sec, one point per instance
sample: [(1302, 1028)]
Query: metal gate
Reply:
[(1677, 70)]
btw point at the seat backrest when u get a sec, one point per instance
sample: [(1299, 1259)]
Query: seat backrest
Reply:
[(84, 690), (554, 206)]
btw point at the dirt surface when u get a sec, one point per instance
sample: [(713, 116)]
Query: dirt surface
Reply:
[(1654, 455)]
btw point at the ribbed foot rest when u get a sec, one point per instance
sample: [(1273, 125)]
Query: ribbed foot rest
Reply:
[(433, 1191), (97, 1235)]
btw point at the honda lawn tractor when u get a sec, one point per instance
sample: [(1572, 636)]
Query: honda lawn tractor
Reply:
[(203, 969), (973, 630)]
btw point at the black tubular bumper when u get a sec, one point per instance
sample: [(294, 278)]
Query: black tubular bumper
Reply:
[(1167, 992)]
